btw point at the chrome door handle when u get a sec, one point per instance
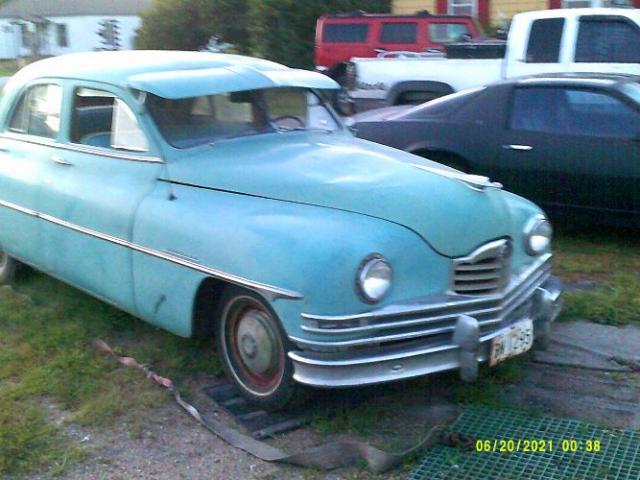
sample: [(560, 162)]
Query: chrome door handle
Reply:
[(61, 161), (518, 148)]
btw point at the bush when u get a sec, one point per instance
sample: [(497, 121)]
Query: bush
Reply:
[(189, 24), (284, 30)]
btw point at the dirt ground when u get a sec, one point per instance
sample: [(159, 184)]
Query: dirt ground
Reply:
[(591, 372)]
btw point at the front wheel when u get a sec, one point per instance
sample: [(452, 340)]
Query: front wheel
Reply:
[(253, 350), (8, 268)]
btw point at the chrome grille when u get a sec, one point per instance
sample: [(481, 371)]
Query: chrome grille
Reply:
[(483, 272)]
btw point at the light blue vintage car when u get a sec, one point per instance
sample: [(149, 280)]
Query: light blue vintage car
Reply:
[(218, 194)]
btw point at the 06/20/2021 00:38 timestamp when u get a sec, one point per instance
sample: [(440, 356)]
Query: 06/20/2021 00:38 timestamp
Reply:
[(536, 446)]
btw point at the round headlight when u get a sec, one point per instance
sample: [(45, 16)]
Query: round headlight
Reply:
[(374, 278), (537, 236)]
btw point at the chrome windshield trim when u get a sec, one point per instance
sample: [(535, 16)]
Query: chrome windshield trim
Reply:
[(235, 279), (396, 310), (73, 147)]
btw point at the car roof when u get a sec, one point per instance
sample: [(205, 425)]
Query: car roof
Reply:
[(576, 12), (389, 16), (573, 79), (172, 74), (117, 67)]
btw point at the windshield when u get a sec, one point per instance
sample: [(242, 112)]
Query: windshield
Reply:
[(197, 121)]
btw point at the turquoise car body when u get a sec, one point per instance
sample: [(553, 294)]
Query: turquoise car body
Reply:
[(288, 215)]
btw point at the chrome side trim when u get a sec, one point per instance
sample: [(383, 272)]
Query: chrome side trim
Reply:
[(72, 147), (416, 309), (262, 287)]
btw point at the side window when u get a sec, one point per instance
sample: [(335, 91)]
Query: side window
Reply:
[(544, 40), (399, 32), (345, 33), (38, 112), (573, 111), (599, 114), (537, 109), (100, 119), (607, 41), (447, 32)]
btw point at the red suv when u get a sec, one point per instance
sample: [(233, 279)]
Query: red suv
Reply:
[(358, 34)]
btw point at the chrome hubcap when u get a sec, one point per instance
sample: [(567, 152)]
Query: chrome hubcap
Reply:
[(256, 342)]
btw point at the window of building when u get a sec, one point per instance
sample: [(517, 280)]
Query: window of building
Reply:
[(38, 112), (463, 7), (607, 41), (345, 33), (61, 34), (448, 32), (25, 35), (596, 3), (399, 32), (577, 3), (100, 119), (544, 40)]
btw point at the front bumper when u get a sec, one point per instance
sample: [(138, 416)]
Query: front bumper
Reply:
[(459, 335)]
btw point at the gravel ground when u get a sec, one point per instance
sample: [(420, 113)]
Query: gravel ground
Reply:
[(170, 445)]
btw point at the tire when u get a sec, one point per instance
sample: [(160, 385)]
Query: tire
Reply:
[(8, 269), (253, 349)]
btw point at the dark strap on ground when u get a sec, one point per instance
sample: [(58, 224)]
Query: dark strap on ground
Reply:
[(323, 457)]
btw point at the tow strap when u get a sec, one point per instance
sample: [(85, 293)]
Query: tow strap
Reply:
[(327, 456)]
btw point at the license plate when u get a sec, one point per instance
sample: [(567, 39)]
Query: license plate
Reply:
[(518, 339)]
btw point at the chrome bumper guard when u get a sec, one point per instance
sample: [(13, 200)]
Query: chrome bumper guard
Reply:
[(458, 336)]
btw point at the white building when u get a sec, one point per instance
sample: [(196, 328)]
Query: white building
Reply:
[(54, 27)]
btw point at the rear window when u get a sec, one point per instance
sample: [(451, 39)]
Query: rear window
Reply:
[(544, 40), (399, 32), (345, 32), (445, 105), (607, 41), (448, 32)]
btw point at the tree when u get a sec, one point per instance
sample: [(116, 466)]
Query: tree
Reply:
[(284, 30), (190, 24)]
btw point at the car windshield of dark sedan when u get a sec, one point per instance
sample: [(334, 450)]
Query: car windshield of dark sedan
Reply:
[(190, 122)]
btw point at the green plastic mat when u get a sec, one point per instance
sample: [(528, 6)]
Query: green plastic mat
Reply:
[(572, 450)]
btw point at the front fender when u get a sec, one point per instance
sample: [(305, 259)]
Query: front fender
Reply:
[(312, 250)]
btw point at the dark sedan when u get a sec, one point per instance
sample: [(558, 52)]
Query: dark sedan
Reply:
[(569, 142)]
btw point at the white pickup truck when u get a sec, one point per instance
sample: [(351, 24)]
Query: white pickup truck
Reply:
[(603, 40)]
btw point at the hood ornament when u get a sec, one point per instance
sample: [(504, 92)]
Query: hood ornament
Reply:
[(477, 182)]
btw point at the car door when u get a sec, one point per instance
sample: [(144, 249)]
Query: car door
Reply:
[(572, 148), (101, 173), (31, 129)]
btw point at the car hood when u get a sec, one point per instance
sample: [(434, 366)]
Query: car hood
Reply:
[(337, 171)]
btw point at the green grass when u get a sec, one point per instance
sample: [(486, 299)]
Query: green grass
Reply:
[(8, 68), (46, 357), (609, 259)]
